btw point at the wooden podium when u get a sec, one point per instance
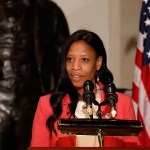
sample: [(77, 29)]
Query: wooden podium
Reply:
[(110, 127), (100, 127)]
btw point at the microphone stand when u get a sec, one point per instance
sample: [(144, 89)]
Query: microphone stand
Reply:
[(99, 115), (99, 112)]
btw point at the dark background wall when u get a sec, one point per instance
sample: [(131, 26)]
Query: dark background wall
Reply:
[(31, 37)]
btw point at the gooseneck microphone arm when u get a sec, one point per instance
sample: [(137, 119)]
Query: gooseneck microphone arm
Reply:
[(89, 96), (111, 98)]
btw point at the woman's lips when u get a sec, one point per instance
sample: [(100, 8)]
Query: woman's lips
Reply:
[(76, 78)]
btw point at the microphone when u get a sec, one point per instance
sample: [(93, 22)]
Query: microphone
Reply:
[(111, 98), (89, 96)]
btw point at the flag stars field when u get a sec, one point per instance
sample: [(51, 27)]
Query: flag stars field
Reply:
[(148, 53), (147, 22)]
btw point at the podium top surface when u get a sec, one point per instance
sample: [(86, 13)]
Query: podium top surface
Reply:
[(112, 127)]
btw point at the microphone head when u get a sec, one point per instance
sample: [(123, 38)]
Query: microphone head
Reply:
[(110, 91), (88, 86), (110, 88)]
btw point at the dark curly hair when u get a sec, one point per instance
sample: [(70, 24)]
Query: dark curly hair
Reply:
[(64, 84)]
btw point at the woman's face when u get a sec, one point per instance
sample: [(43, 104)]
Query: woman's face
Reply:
[(82, 63)]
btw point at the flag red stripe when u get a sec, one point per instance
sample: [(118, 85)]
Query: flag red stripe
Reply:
[(135, 91), (146, 79), (144, 138), (138, 60)]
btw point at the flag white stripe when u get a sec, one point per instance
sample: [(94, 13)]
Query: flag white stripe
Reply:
[(144, 107), (137, 76), (135, 105), (140, 41)]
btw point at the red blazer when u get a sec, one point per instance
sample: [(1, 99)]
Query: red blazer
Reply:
[(41, 135)]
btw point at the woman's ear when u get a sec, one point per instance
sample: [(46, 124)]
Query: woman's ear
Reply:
[(99, 62)]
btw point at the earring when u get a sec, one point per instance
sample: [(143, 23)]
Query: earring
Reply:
[(97, 76)]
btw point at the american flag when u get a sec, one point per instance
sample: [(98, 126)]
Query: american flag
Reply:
[(141, 80)]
